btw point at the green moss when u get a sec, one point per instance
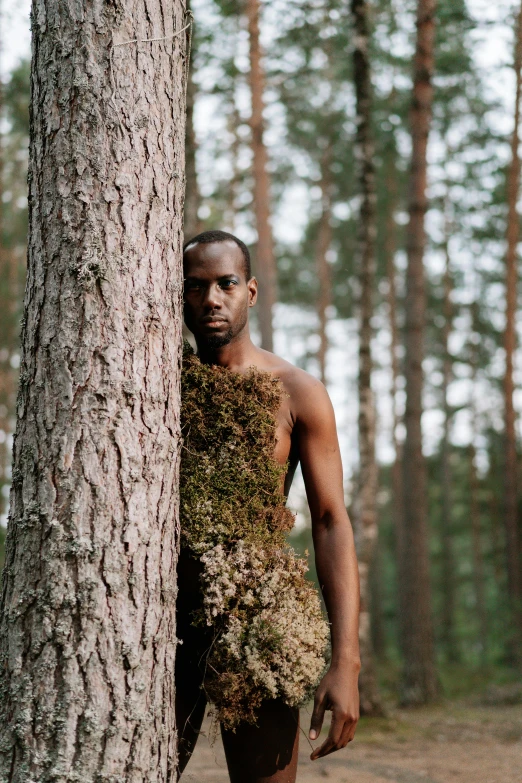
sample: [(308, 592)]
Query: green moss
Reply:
[(231, 486)]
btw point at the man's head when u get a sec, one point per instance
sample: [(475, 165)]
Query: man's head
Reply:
[(219, 287)]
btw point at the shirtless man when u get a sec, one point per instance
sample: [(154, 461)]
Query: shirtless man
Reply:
[(219, 290)]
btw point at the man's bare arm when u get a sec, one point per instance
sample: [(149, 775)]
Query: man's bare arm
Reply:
[(336, 565)]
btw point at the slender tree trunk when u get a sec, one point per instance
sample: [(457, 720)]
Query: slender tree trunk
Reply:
[(390, 248), (419, 677), (476, 533), (324, 240), (448, 633), (265, 258), (498, 544), (510, 471), (87, 633), (377, 618), (366, 523), (192, 196), (234, 121)]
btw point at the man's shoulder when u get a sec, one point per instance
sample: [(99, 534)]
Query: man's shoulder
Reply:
[(303, 388)]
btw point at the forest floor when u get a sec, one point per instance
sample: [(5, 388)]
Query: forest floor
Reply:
[(454, 742)]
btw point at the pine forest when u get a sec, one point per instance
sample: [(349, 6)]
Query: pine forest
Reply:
[(368, 154)]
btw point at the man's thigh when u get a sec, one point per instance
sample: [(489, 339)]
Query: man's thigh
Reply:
[(266, 753)]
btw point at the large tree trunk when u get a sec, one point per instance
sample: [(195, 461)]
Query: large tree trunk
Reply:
[(265, 258), (448, 586), (324, 240), (510, 468), (87, 640), (419, 677), (192, 196), (366, 528)]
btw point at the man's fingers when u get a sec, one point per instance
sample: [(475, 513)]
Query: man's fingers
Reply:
[(326, 748), (348, 732), (317, 717), (334, 737)]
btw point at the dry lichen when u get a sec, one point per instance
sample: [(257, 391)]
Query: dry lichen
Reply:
[(269, 633)]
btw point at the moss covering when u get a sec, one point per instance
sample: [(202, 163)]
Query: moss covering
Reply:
[(231, 485), (269, 636)]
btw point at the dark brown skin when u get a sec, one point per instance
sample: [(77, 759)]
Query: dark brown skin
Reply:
[(217, 299)]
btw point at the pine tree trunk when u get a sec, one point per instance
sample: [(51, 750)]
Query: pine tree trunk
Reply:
[(265, 258), (511, 490), (233, 187), (365, 520), (87, 635), (419, 677), (448, 586), (192, 196), (390, 249), (324, 240), (474, 511), (377, 616)]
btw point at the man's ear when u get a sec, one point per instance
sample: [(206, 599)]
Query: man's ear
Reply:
[(252, 291)]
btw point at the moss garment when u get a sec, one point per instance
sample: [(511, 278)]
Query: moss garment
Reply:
[(269, 633)]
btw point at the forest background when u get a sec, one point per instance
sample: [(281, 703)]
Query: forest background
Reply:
[(297, 158)]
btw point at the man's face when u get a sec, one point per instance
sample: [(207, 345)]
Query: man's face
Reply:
[(217, 293)]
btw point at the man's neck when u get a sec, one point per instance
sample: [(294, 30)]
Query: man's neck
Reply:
[(239, 354)]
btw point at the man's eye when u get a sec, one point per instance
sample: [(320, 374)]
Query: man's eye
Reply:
[(192, 286), (227, 283)]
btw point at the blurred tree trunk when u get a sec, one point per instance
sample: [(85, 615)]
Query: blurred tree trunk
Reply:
[(87, 629), (390, 249), (265, 259), (9, 300), (192, 196), (419, 683), (324, 240), (449, 640), (365, 521), (511, 467), (234, 121), (476, 533), (377, 618)]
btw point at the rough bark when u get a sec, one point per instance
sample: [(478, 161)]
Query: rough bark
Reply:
[(419, 683), (265, 264), (365, 518), (87, 640), (510, 465), (448, 585), (324, 240), (192, 195)]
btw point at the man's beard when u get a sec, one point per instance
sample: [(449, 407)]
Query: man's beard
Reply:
[(214, 341)]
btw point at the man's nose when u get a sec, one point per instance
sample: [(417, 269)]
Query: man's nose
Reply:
[(212, 299)]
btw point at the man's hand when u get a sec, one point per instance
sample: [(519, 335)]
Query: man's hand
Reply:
[(338, 691)]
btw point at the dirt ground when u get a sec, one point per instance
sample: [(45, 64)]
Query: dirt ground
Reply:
[(454, 743)]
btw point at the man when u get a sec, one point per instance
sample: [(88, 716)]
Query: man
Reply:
[(219, 290)]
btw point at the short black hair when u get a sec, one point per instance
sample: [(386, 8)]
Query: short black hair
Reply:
[(209, 237)]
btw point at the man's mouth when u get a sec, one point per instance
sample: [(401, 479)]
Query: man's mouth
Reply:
[(212, 321)]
